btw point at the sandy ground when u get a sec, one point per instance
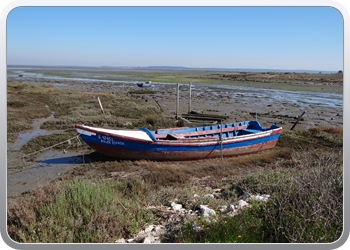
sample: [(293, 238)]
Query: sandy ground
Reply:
[(240, 103)]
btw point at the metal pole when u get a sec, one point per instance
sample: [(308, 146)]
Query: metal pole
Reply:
[(222, 156), (99, 102), (177, 101), (189, 104)]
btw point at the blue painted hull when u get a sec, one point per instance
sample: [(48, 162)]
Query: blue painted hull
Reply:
[(143, 84)]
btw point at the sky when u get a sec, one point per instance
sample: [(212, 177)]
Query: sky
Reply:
[(286, 38)]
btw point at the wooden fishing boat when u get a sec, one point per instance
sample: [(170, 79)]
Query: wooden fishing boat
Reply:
[(144, 84), (183, 143)]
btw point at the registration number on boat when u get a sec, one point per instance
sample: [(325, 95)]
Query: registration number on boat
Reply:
[(109, 140)]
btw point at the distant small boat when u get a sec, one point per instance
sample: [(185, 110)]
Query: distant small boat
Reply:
[(144, 84), (174, 144)]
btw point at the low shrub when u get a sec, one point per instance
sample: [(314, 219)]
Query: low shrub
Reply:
[(79, 211)]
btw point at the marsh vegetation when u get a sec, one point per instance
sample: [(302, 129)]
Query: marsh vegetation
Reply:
[(107, 199)]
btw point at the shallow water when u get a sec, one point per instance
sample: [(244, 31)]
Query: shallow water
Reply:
[(273, 95), (26, 137)]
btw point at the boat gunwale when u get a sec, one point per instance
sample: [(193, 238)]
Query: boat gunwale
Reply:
[(228, 140)]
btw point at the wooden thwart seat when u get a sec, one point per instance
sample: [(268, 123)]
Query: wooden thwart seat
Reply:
[(252, 130)]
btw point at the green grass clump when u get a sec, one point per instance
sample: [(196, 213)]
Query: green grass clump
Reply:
[(242, 228), (80, 211)]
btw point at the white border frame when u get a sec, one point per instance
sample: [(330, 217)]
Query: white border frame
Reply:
[(10, 5)]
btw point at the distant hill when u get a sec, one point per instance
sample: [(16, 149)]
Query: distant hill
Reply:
[(169, 68), (219, 69)]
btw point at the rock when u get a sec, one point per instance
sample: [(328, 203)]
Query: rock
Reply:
[(176, 207), (232, 208), (223, 208), (208, 196), (122, 240), (263, 197), (159, 230), (217, 190), (130, 240), (196, 195), (149, 239), (206, 211), (149, 229), (242, 204)]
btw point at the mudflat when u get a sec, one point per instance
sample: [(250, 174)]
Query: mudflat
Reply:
[(270, 98)]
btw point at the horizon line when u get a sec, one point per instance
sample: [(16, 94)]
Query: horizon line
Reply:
[(176, 67)]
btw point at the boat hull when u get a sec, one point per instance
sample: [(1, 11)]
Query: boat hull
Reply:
[(132, 154), (144, 85), (122, 147)]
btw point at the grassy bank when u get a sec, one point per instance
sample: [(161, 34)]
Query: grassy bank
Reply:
[(305, 206)]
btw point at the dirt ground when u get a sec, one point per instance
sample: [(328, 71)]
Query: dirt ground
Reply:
[(269, 106)]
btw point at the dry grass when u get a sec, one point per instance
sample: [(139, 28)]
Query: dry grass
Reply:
[(28, 103)]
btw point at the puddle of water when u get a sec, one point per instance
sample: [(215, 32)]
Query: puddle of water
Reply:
[(24, 138)]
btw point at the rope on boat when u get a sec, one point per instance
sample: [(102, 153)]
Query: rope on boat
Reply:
[(69, 144)]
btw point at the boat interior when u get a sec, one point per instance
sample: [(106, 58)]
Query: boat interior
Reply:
[(209, 132)]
